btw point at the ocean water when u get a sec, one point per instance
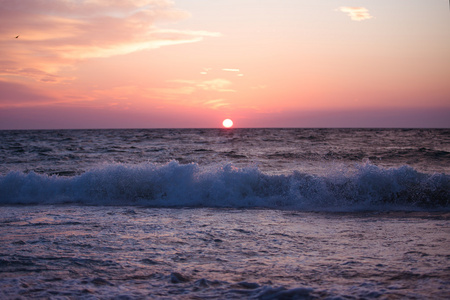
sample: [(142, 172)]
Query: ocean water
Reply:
[(307, 169), (225, 214)]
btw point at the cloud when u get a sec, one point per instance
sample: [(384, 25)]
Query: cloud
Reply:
[(216, 85), (234, 71), (57, 33), (207, 71), (33, 73), (19, 95), (181, 90), (356, 13), (216, 104), (219, 85)]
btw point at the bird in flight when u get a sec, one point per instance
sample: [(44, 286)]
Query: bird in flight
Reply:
[(17, 37)]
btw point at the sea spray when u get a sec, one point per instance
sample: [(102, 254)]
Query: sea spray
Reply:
[(366, 187)]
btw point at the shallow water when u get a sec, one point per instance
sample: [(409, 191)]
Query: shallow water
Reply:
[(137, 252)]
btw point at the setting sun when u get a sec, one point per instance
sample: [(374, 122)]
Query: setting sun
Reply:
[(227, 123)]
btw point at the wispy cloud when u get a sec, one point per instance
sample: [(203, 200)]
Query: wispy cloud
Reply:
[(219, 85), (182, 89), (216, 104), (356, 13), (207, 71), (216, 85), (234, 71), (56, 33), (20, 95)]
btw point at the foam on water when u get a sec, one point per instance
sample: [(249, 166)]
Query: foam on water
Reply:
[(364, 187)]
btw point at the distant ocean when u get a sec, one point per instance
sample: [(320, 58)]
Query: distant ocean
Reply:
[(225, 213)]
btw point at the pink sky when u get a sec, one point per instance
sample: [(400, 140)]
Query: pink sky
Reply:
[(188, 63)]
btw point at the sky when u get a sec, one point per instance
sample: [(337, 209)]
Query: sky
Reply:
[(193, 63)]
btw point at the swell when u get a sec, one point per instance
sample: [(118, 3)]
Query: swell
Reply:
[(364, 187)]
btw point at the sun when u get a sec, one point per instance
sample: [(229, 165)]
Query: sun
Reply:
[(227, 123)]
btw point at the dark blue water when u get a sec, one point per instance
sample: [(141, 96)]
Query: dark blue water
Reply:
[(310, 169), (225, 214)]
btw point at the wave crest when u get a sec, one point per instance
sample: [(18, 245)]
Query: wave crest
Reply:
[(366, 187)]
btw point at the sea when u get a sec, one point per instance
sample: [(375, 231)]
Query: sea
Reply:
[(259, 213)]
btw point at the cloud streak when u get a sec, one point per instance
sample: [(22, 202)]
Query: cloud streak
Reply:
[(20, 95), (57, 33), (216, 85), (356, 13), (216, 103)]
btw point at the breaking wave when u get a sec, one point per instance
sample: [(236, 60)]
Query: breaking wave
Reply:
[(364, 187)]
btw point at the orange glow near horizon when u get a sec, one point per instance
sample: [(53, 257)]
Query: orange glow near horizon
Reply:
[(162, 63)]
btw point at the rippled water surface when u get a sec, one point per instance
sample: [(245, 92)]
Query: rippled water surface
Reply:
[(225, 214), (276, 151), (98, 252)]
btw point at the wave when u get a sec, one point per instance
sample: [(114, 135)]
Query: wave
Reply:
[(364, 187)]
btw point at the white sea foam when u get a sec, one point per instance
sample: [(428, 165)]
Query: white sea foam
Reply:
[(364, 187)]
